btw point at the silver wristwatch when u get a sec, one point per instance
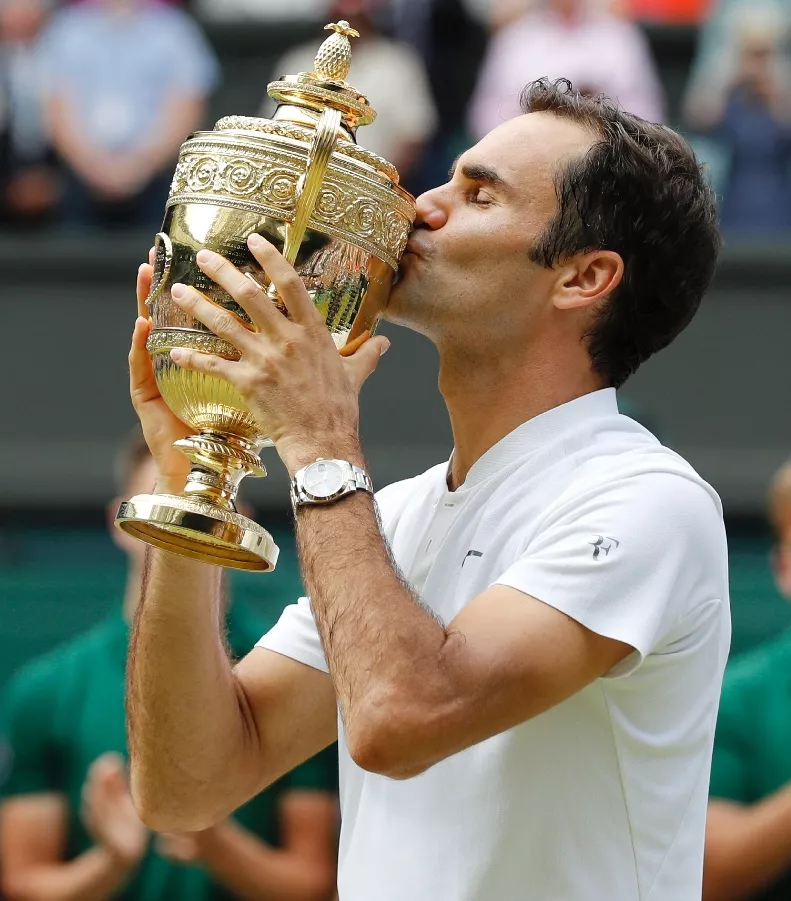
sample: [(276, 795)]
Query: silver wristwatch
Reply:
[(326, 481)]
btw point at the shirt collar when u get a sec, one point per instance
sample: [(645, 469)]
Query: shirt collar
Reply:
[(540, 430)]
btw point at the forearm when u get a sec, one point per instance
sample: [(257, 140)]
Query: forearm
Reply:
[(747, 848), (191, 738), (254, 871), (93, 876), (384, 649)]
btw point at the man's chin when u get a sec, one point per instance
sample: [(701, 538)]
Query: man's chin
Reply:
[(403, 305)]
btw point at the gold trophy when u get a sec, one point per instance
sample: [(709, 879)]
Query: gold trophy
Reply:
[(337, 213)]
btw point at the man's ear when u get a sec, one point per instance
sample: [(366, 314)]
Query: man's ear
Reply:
[(587, 280)]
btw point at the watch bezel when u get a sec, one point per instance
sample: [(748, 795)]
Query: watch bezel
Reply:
[(342, 488)]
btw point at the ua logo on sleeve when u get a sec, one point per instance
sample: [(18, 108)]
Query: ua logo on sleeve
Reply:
[(603, 543)]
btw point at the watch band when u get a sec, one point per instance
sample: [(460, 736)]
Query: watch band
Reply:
[(362, 480)]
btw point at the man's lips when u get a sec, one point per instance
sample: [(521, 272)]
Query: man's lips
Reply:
[(414, 248)]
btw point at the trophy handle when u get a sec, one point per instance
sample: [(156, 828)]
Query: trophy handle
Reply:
[(164, 256), (310, 183)]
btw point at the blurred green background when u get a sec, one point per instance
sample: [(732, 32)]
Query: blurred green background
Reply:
[(57, 582)]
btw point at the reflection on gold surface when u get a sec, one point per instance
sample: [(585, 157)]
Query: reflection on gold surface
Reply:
[(336, 209)]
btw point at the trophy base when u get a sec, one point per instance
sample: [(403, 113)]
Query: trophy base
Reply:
[(200, 530)]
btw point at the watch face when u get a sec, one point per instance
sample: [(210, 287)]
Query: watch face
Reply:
[(323, 479)]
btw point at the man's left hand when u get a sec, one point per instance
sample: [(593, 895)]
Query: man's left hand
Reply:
[(302, 392)]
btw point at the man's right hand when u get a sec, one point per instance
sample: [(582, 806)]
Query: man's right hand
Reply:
[(161, 427), (109, 814)]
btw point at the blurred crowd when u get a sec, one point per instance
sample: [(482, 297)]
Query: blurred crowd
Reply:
[(97, 95)]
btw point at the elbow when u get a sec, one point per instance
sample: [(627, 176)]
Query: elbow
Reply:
[(384, 741), (164, 819), (161, 811)]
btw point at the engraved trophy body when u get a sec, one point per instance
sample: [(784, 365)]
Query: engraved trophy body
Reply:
[(337, 213)]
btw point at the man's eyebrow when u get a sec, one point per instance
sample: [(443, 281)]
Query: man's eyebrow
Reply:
[(480, 173)]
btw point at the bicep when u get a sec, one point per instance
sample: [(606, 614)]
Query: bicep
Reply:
[(292, 709), (32, 832), (518, 657), (507, 658)]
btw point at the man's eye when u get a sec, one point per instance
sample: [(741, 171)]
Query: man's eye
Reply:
[(478, 197)]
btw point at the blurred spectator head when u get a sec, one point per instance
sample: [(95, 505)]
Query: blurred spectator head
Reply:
[(135, 473), (760, 40), (609, 199), (780, 520), (359, 13), (22, 20)]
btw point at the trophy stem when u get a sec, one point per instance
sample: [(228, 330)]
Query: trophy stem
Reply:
[(202, 523), (219, 463)]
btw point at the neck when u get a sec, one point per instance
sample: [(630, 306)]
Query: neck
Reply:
[(134, 585), (488, 399)]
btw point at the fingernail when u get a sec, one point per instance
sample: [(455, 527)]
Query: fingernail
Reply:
[(385, 348), (178, 291), (142, 267), (204, 257), (255, 240), (176, 354)]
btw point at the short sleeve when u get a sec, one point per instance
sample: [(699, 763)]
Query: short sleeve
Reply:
[(32, 754), (296, 635), (320, 773), (628, 558)]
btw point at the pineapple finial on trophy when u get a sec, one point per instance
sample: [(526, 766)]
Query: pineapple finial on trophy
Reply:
[(335, 54)]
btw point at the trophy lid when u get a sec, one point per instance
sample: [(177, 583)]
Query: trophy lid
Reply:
[(326, 85), (304, 97)]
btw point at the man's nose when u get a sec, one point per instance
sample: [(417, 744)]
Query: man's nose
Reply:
[(430, 210)]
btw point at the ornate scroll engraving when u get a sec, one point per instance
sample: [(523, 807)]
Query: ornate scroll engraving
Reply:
[(163, 340), (265, 179), (201, 173)]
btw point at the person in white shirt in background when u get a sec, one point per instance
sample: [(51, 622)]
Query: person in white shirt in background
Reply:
[(598, 51), (124, 82), (393, 78), (521, 650)]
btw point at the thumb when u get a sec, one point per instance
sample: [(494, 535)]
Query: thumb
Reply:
[(365, 360)]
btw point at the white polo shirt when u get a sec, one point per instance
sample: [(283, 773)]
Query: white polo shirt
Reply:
[(603, 797)]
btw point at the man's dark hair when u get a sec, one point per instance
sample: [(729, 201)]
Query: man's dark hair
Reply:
[(640, 192)]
